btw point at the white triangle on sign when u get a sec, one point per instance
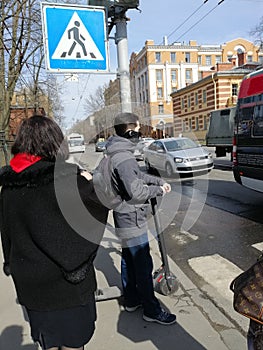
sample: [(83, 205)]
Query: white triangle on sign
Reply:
[(76, 43)]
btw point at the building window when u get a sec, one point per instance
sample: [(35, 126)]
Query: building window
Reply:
[(182, 103), (234, 89), (159, 92), (139, 83), (188, 74), (260, 59), (173, 89), (159, 75), (173, 57), (196, 123), (157, 57), (249, 58), (205, 122), (199, 59), (196, 98), (173, 75), (160, 109), (146, 79), (208, 60), (142, 82), (189, 101), (187, 57), (189, 124), (147, 98), (229, 58), (218, 59), (204, 96)]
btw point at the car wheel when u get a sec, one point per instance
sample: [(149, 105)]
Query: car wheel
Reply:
[(169, 170)]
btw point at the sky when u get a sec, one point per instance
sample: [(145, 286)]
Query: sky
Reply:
[(207, 23)]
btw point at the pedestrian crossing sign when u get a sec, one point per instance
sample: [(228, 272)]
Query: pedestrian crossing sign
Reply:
[(75, 38)]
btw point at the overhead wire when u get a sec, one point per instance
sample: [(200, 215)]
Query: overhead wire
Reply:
[(81, 96), (191, 15), (188, 30)]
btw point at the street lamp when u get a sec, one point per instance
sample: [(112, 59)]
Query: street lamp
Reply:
[(162, 127)]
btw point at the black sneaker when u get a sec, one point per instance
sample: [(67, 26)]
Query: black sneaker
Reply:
[(163, 318)]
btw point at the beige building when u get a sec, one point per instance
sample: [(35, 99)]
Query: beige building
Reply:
[(158, 71)]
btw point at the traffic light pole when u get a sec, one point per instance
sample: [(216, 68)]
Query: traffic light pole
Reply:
[(121, 42)]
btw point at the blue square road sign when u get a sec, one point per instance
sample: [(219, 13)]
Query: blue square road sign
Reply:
[(75, 38)]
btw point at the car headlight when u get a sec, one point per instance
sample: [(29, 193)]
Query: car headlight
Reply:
[(178, 160), (210, 155)]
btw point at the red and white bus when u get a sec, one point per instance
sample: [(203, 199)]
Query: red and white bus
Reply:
[(248, 134)]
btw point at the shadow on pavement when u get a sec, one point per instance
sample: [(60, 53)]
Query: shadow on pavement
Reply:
[(12, 338), (172, 337), (105, 264)]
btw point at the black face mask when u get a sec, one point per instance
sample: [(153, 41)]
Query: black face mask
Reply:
[(132, 135)]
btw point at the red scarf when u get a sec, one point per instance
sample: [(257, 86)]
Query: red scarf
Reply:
[(21, 161)]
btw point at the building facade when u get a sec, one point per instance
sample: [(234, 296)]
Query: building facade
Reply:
[(158, 71), (193, 104)]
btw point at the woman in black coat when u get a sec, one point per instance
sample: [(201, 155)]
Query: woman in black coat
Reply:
[(51, 227)]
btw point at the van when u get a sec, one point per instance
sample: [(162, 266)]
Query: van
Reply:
[(76, 143)]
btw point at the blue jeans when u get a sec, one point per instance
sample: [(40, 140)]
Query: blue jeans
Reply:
[(136, 273)]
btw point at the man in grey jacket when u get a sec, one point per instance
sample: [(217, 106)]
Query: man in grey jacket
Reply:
[(130, 218)]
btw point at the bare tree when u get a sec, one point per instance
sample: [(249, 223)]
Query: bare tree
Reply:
[(257, 32), (20, 41), (95, 102)]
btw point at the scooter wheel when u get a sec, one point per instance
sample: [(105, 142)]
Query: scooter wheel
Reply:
[(165, 286), (168, 286)]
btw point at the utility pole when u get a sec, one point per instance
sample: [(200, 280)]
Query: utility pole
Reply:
[(121, 41), (117, 14)]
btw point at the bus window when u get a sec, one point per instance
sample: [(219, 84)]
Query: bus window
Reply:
[(258, 121), (245, 120)]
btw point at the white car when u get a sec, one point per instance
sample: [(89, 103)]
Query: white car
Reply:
[(139, 150), (179, 155)]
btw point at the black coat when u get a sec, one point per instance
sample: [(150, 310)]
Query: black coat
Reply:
[(51, 227)]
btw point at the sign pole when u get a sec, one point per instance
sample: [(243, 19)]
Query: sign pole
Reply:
[(121, 42)]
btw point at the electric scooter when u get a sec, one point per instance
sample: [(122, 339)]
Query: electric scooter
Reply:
[(164, 280)]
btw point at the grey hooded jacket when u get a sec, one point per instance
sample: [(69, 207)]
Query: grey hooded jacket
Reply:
[(134, 186)]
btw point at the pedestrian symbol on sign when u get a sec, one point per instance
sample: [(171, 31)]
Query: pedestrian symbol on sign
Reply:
[(76, 42)]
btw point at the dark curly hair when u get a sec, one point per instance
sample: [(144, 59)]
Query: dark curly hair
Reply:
[(40, 136)]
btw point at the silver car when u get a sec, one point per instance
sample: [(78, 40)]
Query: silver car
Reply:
[(139, 150), (179, 155)]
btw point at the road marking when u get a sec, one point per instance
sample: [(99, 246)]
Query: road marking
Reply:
[(217, 271), (258, 246), (184, 237)]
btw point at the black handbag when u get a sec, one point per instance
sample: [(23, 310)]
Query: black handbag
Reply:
[(248, 292)]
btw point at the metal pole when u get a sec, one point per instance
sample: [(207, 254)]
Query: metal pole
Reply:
[(123, 63)]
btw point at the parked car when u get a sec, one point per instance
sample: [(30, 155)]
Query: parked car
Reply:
[(100, 146), (179, 155), (139, 150)]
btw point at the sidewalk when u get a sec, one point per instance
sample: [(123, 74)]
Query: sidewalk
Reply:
[(200, 325)]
